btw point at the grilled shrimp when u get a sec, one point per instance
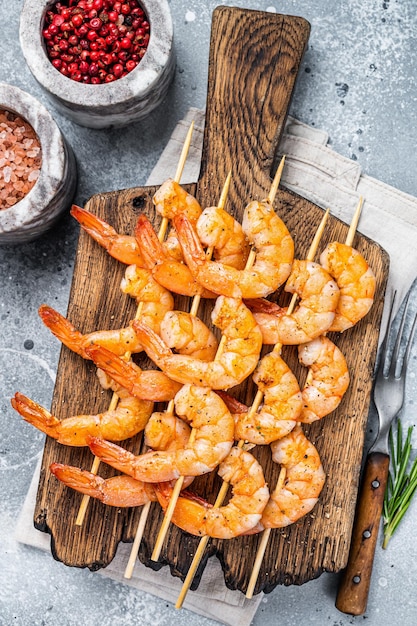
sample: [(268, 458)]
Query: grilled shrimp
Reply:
[(126, 420), (282, 403), (181, 331), (124, 248), (187, 334), (155, 300), (213, 425), (167, 271), (319, 295), (240, 515), (145, 384), (275, 252), (120, 491), (162, 432), (296, 494), (356, 282), (238, 359), (217, 229), (119, 341), (330, 378), (170, 200)]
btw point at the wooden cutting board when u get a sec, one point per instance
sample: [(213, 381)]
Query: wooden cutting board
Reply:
[(253, 64)]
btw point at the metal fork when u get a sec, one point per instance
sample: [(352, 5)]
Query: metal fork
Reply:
[(389, 389)]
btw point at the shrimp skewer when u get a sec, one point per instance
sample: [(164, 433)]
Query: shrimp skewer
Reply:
[(242, 344), (124, 491), (169, 510), (342, 370), (257, 401), (126, 420), (162, 231), (275, 252), (297, 493), (185, 333), (243, 511), (213, 427), (318, 293)]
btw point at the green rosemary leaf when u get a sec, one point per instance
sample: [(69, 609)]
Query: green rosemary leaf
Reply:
[(401, 485)]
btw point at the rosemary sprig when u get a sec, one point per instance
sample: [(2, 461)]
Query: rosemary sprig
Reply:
[(401, 485)]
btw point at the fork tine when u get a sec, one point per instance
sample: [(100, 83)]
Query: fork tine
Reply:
[(409, 344), (396, 350), (384, 344)]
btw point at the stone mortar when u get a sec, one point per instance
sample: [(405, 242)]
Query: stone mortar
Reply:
[(125, 100), (55, 188)]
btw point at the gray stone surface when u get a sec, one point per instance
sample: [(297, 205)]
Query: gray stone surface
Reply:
[(357, 81)]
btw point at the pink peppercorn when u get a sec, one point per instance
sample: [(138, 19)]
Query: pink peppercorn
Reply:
[(87, 40)]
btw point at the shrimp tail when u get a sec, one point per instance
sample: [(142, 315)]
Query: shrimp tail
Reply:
[(120, 491), (112, 454), (262, 305), (153, 345), (122, 248), (62, 329), (234, 405), (195, 258), (145, 384), (35, 414), (148, 242)]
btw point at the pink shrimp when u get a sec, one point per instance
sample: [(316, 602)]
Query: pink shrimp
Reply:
[(297, 493), (282, 403), (213, 427), (329, 378), (125, 421), (319, 296), (145, 384), (238, 359), (162, 432), (239, 516), (170, 200), (168, 272), (275, 252), (119, 341), (356, 282), (124, 248)]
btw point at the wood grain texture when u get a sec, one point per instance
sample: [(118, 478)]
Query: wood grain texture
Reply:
[(353, 591), (254, 59)]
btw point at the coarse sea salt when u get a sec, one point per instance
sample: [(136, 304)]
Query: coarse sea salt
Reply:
[(20, 158)]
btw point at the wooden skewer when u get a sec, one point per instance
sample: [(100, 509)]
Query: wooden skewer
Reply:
[(170, 410), (266, 533), (161, 235), (255, 405)]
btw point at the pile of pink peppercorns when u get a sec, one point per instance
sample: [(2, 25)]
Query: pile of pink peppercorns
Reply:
[(96, 41)]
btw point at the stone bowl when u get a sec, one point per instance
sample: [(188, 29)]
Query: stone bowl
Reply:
[(125, 100), (54, 190)]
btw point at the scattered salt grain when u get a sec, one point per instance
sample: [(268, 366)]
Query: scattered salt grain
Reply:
[(20, 158)]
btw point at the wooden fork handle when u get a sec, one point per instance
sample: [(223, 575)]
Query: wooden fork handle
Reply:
[(353, 591)]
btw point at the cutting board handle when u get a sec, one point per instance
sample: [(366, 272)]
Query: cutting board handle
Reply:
[(253, 64)]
